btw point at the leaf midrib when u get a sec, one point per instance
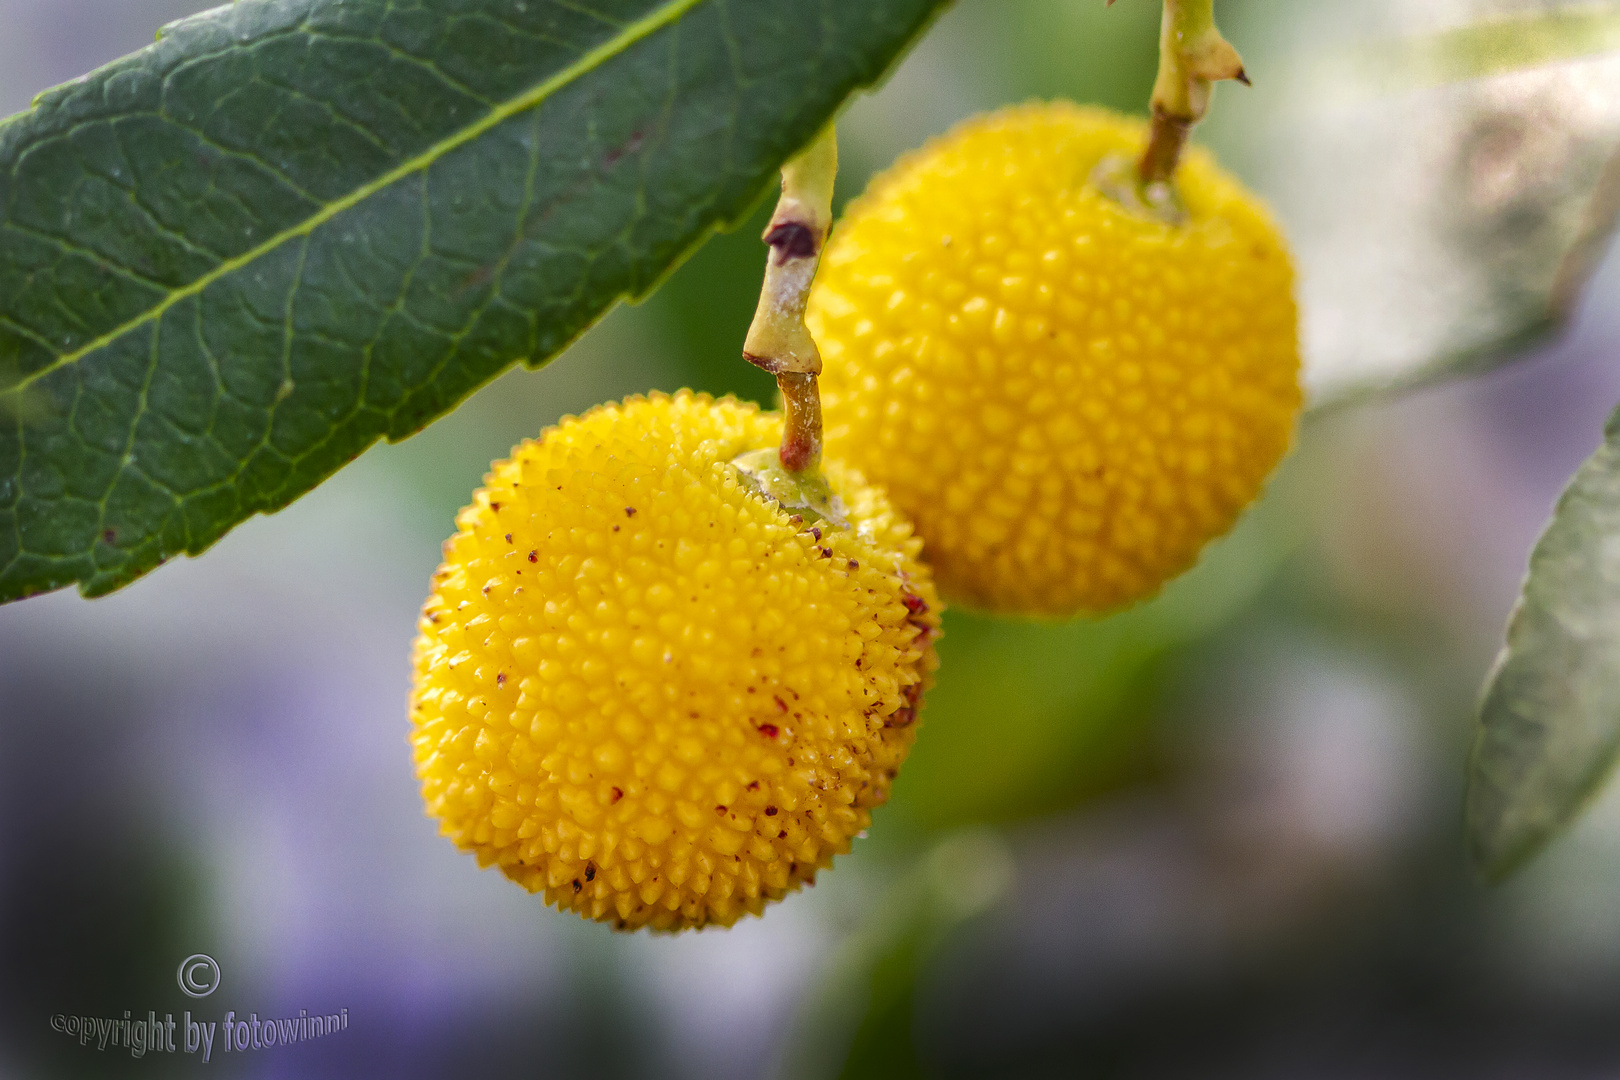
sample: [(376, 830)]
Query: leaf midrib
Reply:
[(632, 33)]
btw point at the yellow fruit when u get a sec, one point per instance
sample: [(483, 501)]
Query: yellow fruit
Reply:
[(649, 691), (1069, 397)]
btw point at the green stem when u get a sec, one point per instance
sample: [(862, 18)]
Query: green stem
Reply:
[(778, 340), (1193, 56)]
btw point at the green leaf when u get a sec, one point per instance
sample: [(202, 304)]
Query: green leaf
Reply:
[(232, 261), (1449, 179), (1549, 728)]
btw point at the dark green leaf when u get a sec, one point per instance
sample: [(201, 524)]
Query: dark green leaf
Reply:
[(233, 260), (1550, 722)]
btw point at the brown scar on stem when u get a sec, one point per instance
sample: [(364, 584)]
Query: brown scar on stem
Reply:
[(793, 240)]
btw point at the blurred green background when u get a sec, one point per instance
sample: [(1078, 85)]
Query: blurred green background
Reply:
[(1215, 835)]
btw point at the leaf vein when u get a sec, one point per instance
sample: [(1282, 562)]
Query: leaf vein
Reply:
[(95, 258), (633, 33)]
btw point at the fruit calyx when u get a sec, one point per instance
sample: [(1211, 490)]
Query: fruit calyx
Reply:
[(1119, 178), (804, 492)]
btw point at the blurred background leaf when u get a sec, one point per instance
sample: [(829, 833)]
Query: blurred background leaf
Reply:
[(1445, 170), (1499, 43), (1550, 722)]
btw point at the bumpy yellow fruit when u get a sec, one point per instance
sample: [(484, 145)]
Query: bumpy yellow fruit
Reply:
[(649, 691), (1069, 397)]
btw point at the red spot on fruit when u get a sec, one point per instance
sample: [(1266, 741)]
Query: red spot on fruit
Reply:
[(533, 557), (590, 871), (629, 511), (914, 603), (508, 538), (770, 811), (901, 718), (720, 810), (770, 731), (781, 706), (753, 785), (500, 678), (618, 793)]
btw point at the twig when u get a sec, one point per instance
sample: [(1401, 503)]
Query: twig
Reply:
[(1193, 56), (778, 341)]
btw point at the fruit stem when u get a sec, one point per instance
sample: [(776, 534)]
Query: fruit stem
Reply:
[(1193, 56), (778, 341), (801, 427)]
